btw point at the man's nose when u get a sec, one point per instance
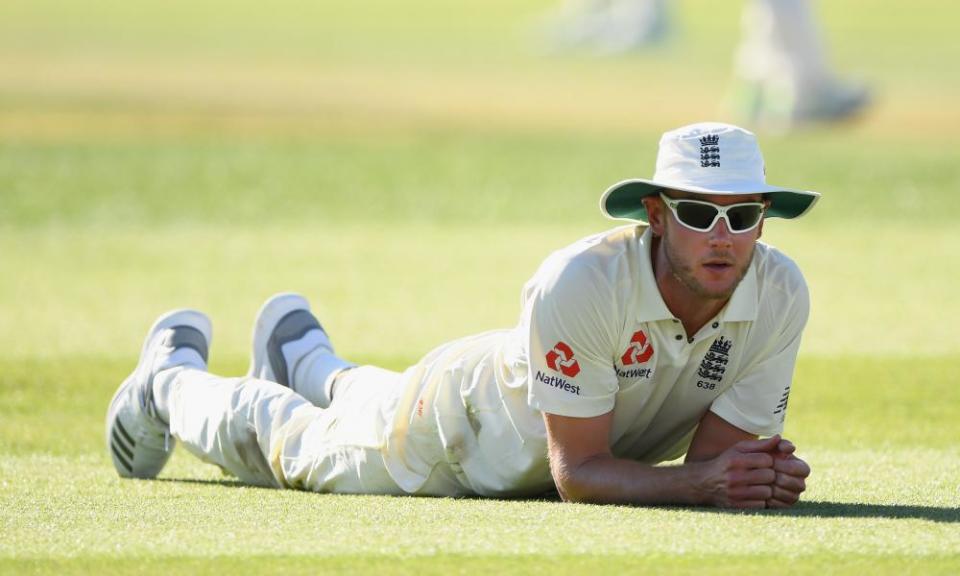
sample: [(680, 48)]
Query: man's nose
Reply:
[(721, 236)]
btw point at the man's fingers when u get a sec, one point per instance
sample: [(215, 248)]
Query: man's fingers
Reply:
[(755, 492), (752, 460), (792, 466), (777, 504), (749, 504), (786, 447), (761, 445), (786, 496), (764, 474), (754, 476), (791, 483)]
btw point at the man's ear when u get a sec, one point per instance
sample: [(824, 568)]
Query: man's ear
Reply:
[(655, 213)]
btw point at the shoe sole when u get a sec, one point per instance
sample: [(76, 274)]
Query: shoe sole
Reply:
[(270, 314), (183, 317)]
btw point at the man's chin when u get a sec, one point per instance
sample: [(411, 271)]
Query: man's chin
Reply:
[(719, 284), (716, 290), (709, 294)]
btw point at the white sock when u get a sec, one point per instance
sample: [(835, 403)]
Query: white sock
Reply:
[(181, 359), (314, 375)]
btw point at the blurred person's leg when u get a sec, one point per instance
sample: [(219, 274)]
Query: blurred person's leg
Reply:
[(783, 75), (612, 26)]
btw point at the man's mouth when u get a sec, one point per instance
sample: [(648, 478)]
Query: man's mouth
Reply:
[(717, 265)]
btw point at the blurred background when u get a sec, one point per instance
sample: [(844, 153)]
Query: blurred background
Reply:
[(407, 165)]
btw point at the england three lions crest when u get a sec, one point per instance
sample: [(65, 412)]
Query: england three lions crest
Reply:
[(714, 364), (710, 151)]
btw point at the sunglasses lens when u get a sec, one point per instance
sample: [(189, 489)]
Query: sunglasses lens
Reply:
[(744, 217), (698, 216)]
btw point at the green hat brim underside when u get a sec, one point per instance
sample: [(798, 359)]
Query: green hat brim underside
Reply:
[(625, 200)]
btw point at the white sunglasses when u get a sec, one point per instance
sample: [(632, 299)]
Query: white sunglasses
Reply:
[(702, 216)]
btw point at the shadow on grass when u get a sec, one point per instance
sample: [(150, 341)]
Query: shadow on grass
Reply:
[(225, 482), (815, 509), (825, 509)]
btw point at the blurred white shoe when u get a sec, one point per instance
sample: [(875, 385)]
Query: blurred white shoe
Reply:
[(831, 102), (780, 108)]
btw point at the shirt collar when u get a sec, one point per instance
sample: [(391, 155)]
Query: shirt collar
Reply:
[(652, 307), (742, 306)]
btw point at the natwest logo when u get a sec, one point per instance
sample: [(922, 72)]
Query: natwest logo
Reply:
[(561, 359), (639, 350)]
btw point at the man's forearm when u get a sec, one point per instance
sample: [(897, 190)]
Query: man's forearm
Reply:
[(743, 476), (610, 480)]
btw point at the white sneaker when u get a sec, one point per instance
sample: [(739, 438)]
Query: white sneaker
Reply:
[(138, 440), (284, 333)]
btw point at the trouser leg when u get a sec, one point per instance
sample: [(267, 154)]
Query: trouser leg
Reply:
[(346, 449), (265, 434), (781, 44), (268, 435), (341, 449), (231, 422)]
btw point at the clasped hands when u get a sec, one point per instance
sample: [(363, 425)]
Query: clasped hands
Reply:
[(757, 474)]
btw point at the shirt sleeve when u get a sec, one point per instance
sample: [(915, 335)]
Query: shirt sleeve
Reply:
[(757, 401), (570, 311)]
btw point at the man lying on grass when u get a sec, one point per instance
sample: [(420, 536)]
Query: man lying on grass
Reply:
[(677, 335)]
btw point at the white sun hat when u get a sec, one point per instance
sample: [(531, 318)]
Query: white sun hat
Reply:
[(706, 158)]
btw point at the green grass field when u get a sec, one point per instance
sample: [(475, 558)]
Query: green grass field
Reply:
[(407, 166)]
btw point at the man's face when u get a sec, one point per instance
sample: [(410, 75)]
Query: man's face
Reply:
[(708, 264)]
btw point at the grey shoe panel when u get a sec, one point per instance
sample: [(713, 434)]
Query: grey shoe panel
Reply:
[(188, 337), (291, 327)]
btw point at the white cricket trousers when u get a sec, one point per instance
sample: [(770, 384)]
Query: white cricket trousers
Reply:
[(781, 43), (268, 435)]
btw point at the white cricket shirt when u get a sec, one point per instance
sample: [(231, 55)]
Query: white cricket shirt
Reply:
[(595, 336)]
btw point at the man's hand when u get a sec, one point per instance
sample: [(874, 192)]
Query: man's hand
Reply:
[(742, 476), (716, 442), (756, 474), (791, 474)]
